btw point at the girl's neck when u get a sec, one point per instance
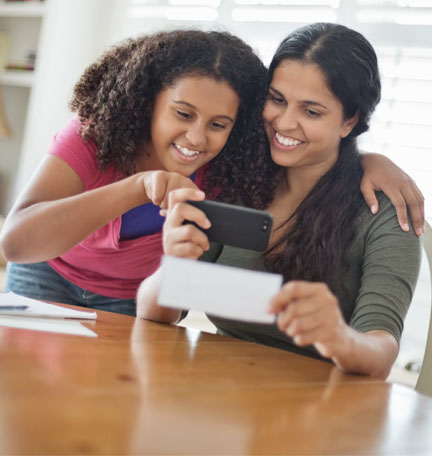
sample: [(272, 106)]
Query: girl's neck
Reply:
[(147, 161)]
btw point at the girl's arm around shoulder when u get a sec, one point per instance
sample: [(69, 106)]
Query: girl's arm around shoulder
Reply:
[(380, 173), (147, 306)]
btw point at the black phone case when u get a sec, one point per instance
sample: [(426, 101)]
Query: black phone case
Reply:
[(237, 226)]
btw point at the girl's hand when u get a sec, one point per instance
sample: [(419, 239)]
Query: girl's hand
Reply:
[(185, 240), (381, 174), (309, 313), (158, 185)]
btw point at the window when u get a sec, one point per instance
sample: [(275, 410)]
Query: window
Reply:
[(400, 30)]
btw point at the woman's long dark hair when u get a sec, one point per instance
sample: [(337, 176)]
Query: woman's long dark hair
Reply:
[(115, 99), (322, 227)]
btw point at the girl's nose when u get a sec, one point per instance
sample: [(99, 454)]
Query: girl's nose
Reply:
[(196, 135)]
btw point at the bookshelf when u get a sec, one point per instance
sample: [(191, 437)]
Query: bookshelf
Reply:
[(21, 23)]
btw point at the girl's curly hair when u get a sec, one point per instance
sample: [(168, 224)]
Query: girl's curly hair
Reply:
[(116, 95)]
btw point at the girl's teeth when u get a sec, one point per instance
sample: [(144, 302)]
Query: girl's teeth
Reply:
[(287, 141), (186, 151)]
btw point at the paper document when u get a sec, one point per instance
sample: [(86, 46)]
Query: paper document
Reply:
[(12, 304), (52, 325), (219, 290)]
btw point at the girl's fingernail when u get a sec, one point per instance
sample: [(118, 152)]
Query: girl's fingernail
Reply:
[(374, 208)]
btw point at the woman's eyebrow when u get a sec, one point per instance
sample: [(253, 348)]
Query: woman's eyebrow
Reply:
[(306, 102), (314, 103), (277, 92)]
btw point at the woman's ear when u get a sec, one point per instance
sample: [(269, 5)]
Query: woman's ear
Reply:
[(349, 124)]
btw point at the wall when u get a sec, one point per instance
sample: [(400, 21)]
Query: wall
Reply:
[(73, 34)]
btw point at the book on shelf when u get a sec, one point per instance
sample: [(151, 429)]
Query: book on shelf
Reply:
[(4, 49)]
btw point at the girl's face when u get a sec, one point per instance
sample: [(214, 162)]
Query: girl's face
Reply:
[(304, 121), (191, 122)]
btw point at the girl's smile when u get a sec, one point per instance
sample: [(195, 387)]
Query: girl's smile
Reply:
[(192, 120)]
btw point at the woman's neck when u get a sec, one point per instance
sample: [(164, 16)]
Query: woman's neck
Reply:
[(293, 187)]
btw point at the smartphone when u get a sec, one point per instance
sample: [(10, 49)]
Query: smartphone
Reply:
[(237, 226)]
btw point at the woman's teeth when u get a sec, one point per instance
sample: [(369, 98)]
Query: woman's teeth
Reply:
[(287, 141), (186, 151)]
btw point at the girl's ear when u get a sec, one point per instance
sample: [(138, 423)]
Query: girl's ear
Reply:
[(349, 124)]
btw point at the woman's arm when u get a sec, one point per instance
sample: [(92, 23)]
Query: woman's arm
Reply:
[(54, 213), (180, 240), (147, 306), (309, 313), (381, 174)]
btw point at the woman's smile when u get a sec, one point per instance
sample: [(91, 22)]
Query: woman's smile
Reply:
[(285, 142)]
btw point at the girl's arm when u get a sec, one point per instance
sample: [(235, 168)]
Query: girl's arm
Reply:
[(54, 213), (381, 174)]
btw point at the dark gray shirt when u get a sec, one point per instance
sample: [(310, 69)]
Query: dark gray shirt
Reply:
[(374, 293)]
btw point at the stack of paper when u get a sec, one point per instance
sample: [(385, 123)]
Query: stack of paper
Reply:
[(21, 312)]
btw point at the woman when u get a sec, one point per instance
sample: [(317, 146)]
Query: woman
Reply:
[(349, 275), (151, 113)]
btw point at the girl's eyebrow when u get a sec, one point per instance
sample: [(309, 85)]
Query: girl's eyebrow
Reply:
[(185, 103), (306, 102)]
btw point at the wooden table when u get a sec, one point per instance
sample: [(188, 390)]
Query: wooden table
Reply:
[(147, 388)]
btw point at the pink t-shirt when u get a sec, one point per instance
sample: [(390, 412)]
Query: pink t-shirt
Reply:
[(101, 263)]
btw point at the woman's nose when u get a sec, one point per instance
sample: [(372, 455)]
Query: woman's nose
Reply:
[(287, 120)]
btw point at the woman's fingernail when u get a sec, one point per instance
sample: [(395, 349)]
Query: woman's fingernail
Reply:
[(374, 208), (405, 226)]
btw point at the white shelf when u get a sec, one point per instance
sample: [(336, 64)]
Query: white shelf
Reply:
[(17, 78), (24, 9)]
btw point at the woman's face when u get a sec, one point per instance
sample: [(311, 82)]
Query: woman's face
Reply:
[(304, 121), (191, 122)]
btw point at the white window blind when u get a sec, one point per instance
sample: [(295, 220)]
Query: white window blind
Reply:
[(400, 30)]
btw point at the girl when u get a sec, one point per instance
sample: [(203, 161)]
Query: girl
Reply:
[(151, 113), (349, 275)]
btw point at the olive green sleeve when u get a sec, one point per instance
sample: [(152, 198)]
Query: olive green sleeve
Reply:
[(391, 264)]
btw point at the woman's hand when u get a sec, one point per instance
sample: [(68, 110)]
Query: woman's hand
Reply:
[(159, 184), (381, 174), (185, 240), (309, 313)]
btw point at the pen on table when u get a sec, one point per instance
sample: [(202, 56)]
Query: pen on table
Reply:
[(13, 308)]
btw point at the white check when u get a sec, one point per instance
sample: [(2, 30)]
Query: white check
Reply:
[(223, 291)]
